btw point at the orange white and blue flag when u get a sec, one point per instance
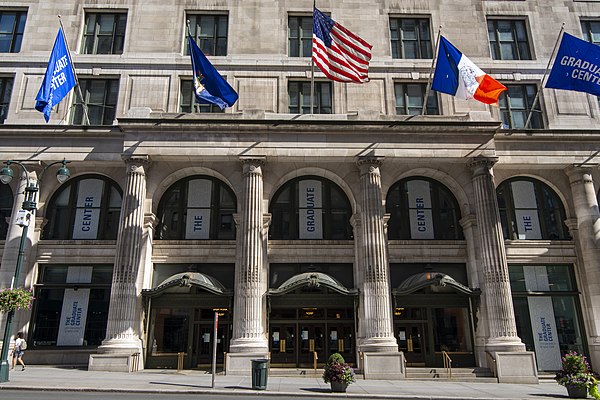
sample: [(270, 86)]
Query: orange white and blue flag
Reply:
[(458, 76), (340, 54)]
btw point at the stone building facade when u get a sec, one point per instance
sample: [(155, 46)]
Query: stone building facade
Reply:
[(364, 228)]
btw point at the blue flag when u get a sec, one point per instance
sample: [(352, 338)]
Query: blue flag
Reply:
[(209, 85), (576, 66), (59, 79)]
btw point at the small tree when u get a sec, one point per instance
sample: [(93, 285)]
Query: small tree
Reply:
[(336, 370), (15, 299)]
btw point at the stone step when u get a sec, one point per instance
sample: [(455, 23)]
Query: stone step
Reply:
[(475, 374)]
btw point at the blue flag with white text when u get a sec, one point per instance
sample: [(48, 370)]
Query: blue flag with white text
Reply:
[(209, 85), (576, 66), (59, 78)]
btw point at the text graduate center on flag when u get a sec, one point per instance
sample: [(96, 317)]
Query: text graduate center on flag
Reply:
[(576, 66), (209, 85), (340, 54), (458, 76), (59, 78)]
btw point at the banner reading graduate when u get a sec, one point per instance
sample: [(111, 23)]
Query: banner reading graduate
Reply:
[(59, 78), (576, 66)]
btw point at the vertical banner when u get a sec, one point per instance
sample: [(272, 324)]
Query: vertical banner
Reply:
[(197, 225), (545, 338), (420, 215), (528, 224), (310, 218), (73, 317), (75, 307), (87, 216)]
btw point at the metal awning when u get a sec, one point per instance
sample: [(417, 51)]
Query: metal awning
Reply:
[(425, 279), (188, 280), (314, 280)]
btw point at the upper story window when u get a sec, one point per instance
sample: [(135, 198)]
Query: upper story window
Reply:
[(410, 96), (529, 209), (6, 204), (300, 31), (6, 85), (187, 101), (515, 105), (12, 26), (591, 31), (100, 97), (87, 208), (104, 33), (508, 39), (310, 207), (411, 38), (198, 207), (210, 33), (299, 97), (422, 208)]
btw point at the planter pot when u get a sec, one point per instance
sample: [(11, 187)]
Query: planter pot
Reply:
[(339, 387), (577, 392)]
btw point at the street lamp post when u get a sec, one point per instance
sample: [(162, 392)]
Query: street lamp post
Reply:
[(23, 218)]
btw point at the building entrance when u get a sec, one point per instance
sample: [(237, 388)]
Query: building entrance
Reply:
[(412, 342), (297, 344)]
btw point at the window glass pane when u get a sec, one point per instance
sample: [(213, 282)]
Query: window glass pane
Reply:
[(410, 38), (451, 330), (559, 278), (567, 324), (517, 278), (104, 33)]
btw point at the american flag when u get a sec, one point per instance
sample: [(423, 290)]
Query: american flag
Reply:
[(339, 54)]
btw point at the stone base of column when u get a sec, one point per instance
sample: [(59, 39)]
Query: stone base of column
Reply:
[(383, 365), (118, 355), (249, 346), (378, 345), (594, 349), (240, 364), (512, 363)]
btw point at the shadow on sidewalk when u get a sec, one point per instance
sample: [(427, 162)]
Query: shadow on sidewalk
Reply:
[(180, 384), (316, 390)]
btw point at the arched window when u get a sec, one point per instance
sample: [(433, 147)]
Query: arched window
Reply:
[(421, 208), (87, 207), (310, 207), (6, 203), (197, 207), (529, 209)]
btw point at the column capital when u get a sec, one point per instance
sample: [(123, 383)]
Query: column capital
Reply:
[(369, 164), (253, 164), (468, 221), (482, 165), (572, 225), (578, 174), (136, 164)]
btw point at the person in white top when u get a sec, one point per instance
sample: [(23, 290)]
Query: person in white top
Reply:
[(18, 351)]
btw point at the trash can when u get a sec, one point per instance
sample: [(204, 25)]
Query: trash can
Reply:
[(260, 372)]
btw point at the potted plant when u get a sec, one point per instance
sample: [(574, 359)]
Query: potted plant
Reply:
[(338, 373), (15, 299), (576, 375)]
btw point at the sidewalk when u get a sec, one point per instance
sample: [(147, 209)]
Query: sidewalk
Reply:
[(198, 382)]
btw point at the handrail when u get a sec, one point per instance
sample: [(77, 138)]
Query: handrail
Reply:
[(405, 370), (491, 363), (180, 361), (447, 364), (315, 358), (135, 359)]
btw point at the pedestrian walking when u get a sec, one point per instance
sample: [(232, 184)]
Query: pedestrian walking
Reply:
[(18, 351)]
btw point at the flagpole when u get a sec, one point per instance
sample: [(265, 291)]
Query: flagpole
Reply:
[(537, 95), (312, 66), (434, 58), (85, 110)]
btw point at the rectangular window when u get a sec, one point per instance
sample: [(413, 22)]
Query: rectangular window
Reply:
[(508, 39), (409, 99), (6, 85), (187, 101), (104, 33), (210, 33), (12, 25), (300, 36), (100, 97), (515, 105), (591, 31), (410, 38), (299, 98)]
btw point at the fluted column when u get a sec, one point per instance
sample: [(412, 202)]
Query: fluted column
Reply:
[(502, 328), (249, 322), (587, 237), (122, 330), (376, 331)]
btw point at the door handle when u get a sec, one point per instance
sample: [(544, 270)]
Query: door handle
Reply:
[(311, 345), (282, 346), (341, 345)]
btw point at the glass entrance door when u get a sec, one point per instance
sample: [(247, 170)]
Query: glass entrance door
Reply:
[(203, 344), (283, 345), (412, 342), (312, 340)]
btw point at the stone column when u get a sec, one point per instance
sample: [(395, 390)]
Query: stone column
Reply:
[(586, 234), (124, 314), (13, 237), (249, 310), (377, 342), (513, 363)]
